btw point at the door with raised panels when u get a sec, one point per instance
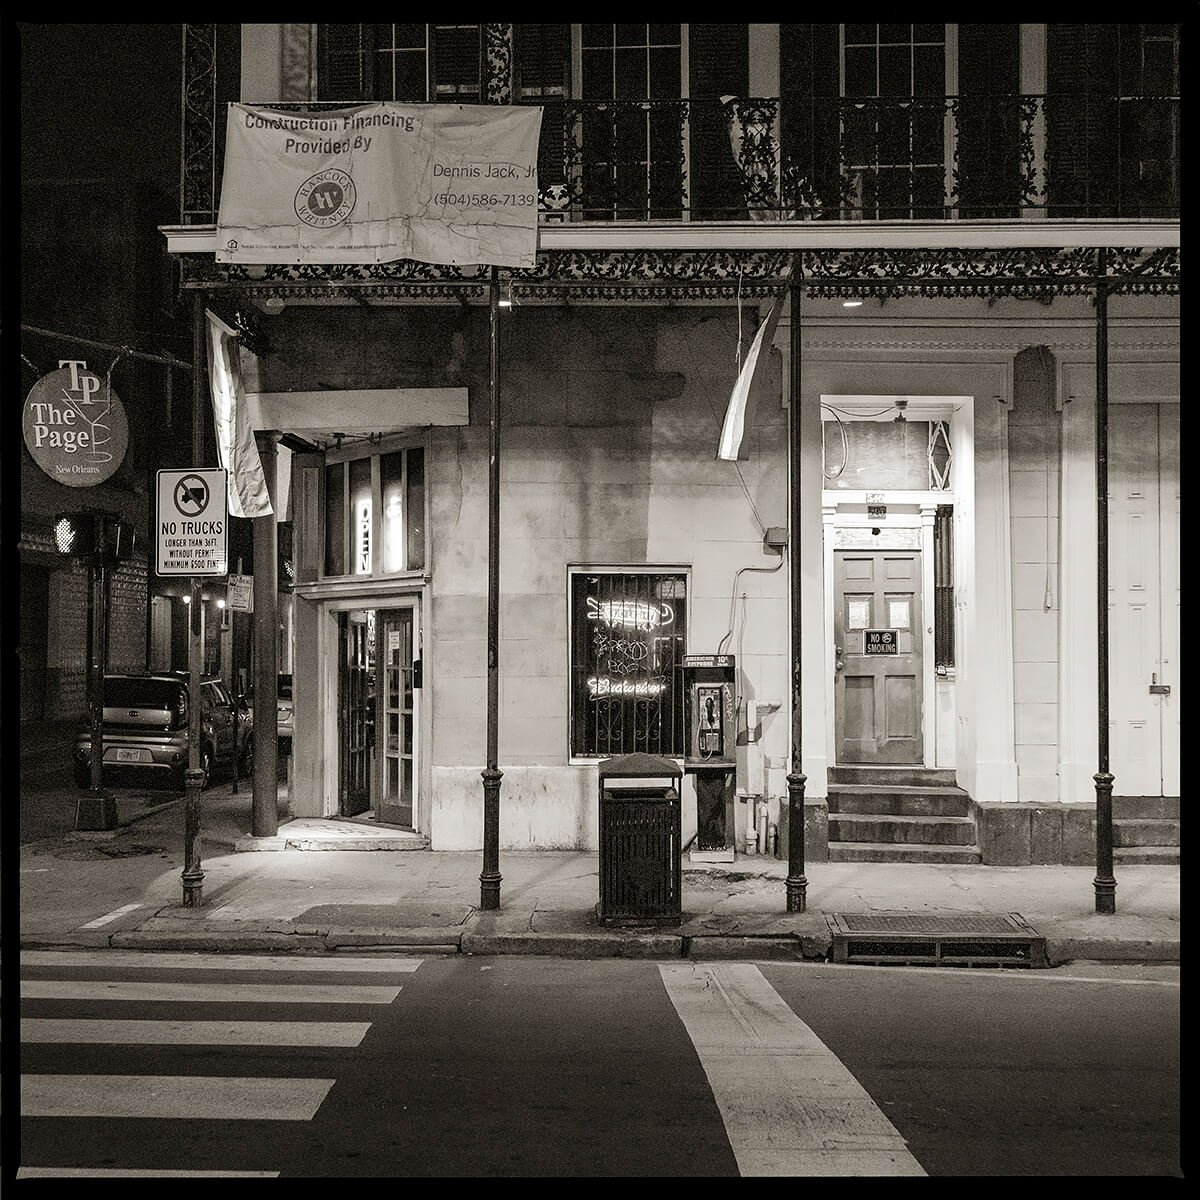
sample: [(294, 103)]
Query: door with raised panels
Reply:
[(878, 685), (1143, 595)]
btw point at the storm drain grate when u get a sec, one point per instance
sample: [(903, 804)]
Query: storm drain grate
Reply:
[(975, 940)]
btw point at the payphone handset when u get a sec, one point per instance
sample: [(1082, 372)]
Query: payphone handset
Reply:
[(709, 684), (710, 732)]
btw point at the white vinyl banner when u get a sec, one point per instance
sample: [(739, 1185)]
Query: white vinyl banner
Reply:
[(439, 183)]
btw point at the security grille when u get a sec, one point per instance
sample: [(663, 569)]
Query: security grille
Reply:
[(627, 638)]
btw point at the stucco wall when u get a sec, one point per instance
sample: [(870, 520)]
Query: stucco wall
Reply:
[(610, 421), (1033, 471)]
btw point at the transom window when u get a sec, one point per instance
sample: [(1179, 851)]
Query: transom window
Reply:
[(628, 636), (374, 509)]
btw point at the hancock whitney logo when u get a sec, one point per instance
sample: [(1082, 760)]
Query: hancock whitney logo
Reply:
[(326, 199)]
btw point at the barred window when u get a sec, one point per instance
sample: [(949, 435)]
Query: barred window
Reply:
[(628, 636)]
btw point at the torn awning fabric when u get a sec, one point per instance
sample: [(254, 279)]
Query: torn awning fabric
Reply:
[(733, 428), (237, 451)]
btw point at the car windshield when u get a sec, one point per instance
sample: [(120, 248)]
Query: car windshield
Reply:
[(124, 692)]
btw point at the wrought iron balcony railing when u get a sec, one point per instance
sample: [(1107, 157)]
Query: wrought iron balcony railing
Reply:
[(737, 159)]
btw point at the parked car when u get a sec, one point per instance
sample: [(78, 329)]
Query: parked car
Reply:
[(283, 710), (145, 732)]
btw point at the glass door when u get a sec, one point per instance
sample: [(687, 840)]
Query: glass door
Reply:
[(356, 710), (396, 714)]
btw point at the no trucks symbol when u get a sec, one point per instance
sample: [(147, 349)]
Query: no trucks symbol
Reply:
[(191, 495)]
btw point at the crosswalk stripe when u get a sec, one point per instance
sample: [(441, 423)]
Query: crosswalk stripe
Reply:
[(194, 1033), (222, 962), (790, 1106), (112, 916), (130, 1173), (222, 1098), (205, 993)]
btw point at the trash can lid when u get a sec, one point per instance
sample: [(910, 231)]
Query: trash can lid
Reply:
[(638, 764)]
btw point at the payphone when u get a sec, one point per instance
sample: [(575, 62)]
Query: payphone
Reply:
[(711, 714)]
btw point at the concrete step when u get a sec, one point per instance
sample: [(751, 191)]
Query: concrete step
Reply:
[(899, 800), (1146, 831), (891, 776), (893, 852), (1146, 856), (919, 830), (1146, 806)]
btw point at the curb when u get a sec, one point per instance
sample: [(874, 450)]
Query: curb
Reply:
[(714, 947), (568, 946), (1060, 951)]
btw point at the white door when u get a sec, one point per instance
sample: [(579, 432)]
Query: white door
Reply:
[(1143, 484)]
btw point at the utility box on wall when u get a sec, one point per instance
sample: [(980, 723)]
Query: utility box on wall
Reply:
[(710, 710)]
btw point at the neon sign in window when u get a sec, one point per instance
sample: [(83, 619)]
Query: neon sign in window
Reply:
[(362, 537), (627, 644), (375, 514)]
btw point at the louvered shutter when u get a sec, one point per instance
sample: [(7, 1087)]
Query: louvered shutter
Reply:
[(542, 55), (988, 125), (1081, 66), (345, 62), (810, 92), (718, 65)]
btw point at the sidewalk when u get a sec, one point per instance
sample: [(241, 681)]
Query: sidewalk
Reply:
[(123, 889)]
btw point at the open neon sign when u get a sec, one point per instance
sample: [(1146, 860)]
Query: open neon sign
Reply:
[(363, 525), (630, 614)]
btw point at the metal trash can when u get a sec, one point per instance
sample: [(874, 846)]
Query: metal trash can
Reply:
[(640, 834)]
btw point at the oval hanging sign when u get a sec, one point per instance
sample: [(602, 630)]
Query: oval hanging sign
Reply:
[(75, 427)]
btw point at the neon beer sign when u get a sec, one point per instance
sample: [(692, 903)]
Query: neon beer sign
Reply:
[(601, 686), (630, 614)]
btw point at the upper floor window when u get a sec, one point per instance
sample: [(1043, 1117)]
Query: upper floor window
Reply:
[(374, 508), (631, 61), (416, 63), (894, 139)]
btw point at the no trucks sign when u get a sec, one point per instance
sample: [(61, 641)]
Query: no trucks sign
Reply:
[(191, 522)]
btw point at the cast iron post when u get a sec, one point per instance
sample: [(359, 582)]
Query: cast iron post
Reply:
[(1105, 884), (796, 883), (96, 808), (193, 777), (264, 803), (489, 880)]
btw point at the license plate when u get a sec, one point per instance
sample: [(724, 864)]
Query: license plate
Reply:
[(129, 755)]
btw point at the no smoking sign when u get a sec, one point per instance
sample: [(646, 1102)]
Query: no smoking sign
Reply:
[(191, 523)]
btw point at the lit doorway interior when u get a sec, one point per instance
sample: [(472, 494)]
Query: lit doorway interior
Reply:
[(378, 682)]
